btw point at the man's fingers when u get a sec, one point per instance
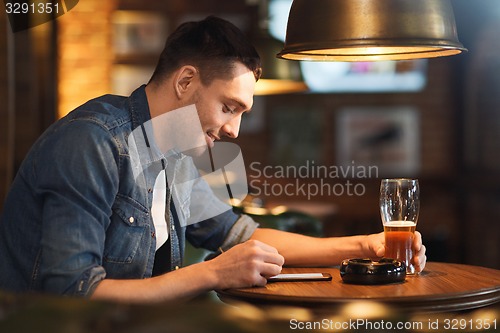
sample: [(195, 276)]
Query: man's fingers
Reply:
[(419, 259), (268, 270), (266, 253), (417, 241), (273, 258), (263, 246)]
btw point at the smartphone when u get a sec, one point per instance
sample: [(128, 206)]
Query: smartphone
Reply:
[(300, 277)]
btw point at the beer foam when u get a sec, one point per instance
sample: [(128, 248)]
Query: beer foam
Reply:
[(400, 224)]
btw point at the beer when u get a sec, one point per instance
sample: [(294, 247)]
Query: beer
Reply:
[(398, 242)]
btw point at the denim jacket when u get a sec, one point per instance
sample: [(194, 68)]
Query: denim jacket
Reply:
[(75, 214)]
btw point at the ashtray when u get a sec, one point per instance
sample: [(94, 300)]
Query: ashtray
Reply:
[(366, 271)]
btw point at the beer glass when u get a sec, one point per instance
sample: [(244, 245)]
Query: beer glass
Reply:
[(399, 208)]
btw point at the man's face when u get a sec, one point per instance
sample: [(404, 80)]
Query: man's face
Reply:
[(221, 104)]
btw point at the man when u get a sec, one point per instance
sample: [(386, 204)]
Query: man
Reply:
[(78, 221)]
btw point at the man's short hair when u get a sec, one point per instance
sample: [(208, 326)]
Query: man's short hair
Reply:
[(212, 45)]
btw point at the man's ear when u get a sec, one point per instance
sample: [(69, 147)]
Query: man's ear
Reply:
[(184, 80)]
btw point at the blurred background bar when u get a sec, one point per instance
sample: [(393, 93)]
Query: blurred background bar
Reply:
[(434, 119)]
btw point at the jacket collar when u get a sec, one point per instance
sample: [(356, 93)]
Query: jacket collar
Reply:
[(139, 107)]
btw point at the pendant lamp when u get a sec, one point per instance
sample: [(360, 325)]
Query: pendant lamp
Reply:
[(370, 30)]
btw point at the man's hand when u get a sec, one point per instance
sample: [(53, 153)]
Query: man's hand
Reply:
[(376, 249), (419, 258), (245, 265)]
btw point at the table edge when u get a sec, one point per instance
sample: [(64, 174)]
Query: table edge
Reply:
[(435, 303)]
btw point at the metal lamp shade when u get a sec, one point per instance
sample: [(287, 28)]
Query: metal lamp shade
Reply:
[(370, 30)]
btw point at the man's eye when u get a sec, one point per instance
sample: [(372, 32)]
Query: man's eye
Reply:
[(226, 109)]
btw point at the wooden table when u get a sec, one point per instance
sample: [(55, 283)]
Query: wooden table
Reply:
[(441, 287)]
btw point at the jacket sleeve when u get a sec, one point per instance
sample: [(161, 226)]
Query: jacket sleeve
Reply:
[(212, 222), (77, 177), (224, 230)]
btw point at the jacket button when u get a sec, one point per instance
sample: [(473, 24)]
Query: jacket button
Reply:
[(153, 234), (131, 219)]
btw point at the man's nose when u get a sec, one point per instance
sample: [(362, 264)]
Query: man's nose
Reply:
[(232, 128)]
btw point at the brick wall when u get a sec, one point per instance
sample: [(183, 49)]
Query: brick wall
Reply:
[(85, 53)]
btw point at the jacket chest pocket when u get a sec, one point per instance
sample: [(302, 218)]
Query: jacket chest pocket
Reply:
[(127, 232)]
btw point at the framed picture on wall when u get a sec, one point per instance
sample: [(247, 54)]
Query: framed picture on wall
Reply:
[(384, 137), (295, 136), (138, 32)]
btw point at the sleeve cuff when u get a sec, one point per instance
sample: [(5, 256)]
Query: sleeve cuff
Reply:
[(89, 281), (241, 231)]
